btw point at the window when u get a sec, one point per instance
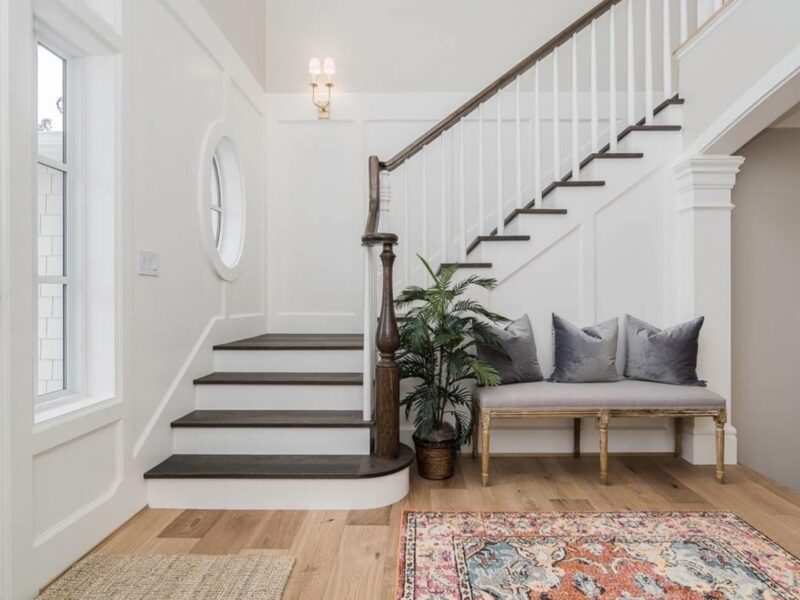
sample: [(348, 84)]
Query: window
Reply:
[(77, 161), (224, 205), (54, 285), (216, 202)]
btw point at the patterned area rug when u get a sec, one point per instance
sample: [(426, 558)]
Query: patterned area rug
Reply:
[(189, 577), (553, 556)]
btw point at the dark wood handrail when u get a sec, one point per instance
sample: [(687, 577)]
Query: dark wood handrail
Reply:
[(491, 89), (387, 377)]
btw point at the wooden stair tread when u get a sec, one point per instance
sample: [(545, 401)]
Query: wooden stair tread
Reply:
[(297, 341), (278, 466), (466, 265), (272, 418), (540, 211), (235, 378), (496, 238), (604, 155)]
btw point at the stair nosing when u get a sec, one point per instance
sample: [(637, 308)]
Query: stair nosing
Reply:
[(292, 342), (281, 378), (361, 466)]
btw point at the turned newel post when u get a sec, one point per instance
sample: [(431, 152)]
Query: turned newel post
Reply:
[(387, 373), (387, 341)]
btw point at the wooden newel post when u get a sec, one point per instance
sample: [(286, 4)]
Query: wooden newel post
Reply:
[(387, 373)]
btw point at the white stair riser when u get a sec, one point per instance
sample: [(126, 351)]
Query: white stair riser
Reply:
[(528, 224), (278, 494), (671, 115), (270, 440), (291, 361), (278, 397), (658, 143), (616, 170)]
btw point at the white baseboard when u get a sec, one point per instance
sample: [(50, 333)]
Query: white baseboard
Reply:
[(700, 446), (625, 437)]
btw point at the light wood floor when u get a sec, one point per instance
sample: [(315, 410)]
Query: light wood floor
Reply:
[(343, 554)]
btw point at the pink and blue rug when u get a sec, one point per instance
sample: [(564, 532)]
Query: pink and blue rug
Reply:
[(625, 556)]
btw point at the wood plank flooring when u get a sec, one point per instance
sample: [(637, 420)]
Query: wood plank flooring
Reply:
[(352, 554)]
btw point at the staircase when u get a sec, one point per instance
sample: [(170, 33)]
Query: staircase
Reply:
[(289, 421), (279, 425)]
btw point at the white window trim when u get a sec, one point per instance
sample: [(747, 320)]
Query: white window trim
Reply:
[(74, 393), (216, 133)]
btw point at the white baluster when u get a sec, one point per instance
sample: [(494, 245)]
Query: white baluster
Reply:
[(593, 101), (406, 231), (518, 144), (369, 333), (462, 194), (612, 81), (648, 63), (481, 166), (667, 50), (576, 159), (556, 120), (537, 139), (443, 255), (500, 209), (631, 67), (684, 20), (425, 206)]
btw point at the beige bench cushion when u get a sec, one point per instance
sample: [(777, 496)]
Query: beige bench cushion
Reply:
[(624, 395)]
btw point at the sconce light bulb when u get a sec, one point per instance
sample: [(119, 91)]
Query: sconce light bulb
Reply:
[(314, 67), (329, 66)]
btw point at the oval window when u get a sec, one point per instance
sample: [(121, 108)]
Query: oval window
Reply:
[(226, 203)]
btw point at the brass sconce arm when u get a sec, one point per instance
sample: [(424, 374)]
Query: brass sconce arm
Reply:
[(323, 106)]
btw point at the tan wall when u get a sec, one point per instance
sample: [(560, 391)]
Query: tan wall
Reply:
[(766, 292), (244, 24)]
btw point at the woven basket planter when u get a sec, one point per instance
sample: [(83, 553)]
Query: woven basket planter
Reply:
[(435, 460)]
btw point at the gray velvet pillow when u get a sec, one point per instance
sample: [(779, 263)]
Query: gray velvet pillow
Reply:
[(520, 364), (585, 355), (662, 355)]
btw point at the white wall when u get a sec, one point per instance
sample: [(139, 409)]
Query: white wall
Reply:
[(244, 24), (739, 50), (414, 46), (766, 323), (73, 479)]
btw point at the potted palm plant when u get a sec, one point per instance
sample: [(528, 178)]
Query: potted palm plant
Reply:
[(437, 350)]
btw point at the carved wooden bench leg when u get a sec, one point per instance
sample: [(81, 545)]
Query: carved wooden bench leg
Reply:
[(486, 424), (678, 436), (576, 438), (720, 420), (602, 425), (476, 419)]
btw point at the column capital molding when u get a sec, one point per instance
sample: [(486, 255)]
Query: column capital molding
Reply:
[(705, 181), (707, 171)]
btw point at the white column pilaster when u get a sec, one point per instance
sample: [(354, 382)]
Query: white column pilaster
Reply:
[(703, 282)]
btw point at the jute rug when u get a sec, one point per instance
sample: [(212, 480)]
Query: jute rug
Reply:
[(553, 556), (186, 577)]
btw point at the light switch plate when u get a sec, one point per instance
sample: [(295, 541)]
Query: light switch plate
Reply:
[(148, 263)]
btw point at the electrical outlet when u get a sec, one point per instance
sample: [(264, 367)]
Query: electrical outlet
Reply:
[(148, 263)]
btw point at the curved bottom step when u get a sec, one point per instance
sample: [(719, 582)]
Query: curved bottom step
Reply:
[(272, 482)]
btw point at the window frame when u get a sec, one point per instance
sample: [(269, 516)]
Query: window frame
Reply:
[(225, 252), (72, 279), (217, 210)]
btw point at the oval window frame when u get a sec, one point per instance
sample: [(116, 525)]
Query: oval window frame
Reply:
[(225, 256)]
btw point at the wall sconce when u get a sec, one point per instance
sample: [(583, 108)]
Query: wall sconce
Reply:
[(328, 66)]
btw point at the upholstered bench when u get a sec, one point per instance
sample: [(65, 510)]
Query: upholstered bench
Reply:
[(626, 398)]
